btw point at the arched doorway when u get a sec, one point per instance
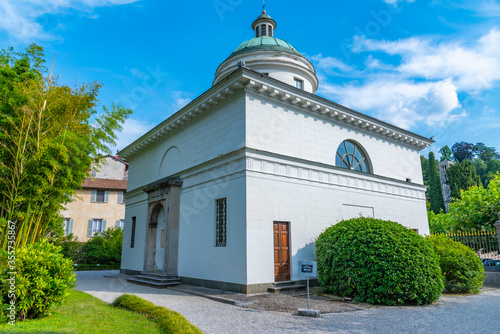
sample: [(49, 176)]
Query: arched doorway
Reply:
[(157, 239)]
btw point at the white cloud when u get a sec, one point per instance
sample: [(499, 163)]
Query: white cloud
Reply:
[(330, 64), (395, 2), (132, 130), (20, 18), (470, 67), (180, 100), (400, 102)]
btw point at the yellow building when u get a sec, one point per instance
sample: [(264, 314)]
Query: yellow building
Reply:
[(100, 203)]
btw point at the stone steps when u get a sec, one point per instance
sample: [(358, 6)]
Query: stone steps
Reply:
[(155, 280), (284, 286)]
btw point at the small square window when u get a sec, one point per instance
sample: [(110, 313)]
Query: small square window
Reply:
[(68, 226), (99, 196), (97, 226), (299, 83)]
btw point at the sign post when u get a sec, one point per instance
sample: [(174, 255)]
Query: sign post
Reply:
[(308, 269)]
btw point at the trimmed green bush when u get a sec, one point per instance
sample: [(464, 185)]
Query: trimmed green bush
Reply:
[(170, 321), (72, 248), (43, 278), (461, 267), (105, 248), (379, 262)]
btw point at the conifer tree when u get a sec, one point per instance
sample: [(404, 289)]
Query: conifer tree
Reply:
[(462, 176), (434, 191)]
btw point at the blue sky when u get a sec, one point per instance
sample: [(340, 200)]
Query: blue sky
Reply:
[(432, 67)]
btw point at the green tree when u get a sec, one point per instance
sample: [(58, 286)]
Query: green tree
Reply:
[(425, 169), (446, 153), (462, 176), (478, 207), (485, 153), (434, 191), (49, 136), (481, 170), (492, 169), (463, 151)]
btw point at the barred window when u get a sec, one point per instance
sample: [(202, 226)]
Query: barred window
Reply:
[(220, 222), (132, 235)]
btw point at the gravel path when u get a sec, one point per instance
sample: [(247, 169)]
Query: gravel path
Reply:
[(451, 314)]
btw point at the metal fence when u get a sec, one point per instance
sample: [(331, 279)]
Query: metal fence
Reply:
[(486, 244)]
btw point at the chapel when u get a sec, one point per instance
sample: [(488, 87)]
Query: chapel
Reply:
[(233, 189)]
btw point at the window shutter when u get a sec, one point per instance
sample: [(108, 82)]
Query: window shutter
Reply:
[(92, 196), (120, 197), (118, 224), (70, 227), (103, 226), (89, 228), (106, 196)]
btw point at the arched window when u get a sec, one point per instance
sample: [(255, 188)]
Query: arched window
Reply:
[(351, 156)]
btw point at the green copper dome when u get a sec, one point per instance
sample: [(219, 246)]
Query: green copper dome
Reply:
[(265, 43)]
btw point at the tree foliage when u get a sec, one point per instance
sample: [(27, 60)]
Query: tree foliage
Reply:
[(434, 191), (463, 151), (476, 210), (485, 153), (478, 207), (49, 135), (446, 153), (462, 176)]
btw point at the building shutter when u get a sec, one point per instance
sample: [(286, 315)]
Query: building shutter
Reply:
[(106, 196), (89, 228), (103, 226), (118, 224), (120, 197), (92, 196), (70, 226)]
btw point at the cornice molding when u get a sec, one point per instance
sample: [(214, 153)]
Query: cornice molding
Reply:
[(313, 104), (257, 83)]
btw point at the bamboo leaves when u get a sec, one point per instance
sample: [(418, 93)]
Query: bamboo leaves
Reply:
[(49, 136)]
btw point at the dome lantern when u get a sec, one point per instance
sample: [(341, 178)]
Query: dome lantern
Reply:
[(264, 25), (271, 56)]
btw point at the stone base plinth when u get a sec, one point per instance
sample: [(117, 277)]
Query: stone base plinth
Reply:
[(308, 313)]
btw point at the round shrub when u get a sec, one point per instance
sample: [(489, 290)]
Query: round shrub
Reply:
[(461, 267), (42, 278), (379, 262)]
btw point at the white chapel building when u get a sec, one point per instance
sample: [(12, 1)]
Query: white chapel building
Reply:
[(233, 189)]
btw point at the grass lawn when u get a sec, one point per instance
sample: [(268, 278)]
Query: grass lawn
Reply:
[(82, 313)]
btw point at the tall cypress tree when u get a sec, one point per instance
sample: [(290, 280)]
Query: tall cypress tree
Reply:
[(462, 176), (434, 191)]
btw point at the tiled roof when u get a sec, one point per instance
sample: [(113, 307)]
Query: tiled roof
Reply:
[(105, 184)]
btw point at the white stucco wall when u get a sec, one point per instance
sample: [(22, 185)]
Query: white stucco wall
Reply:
[(310, 207), (198, 255), (137, 206), (289, 131), (206, 138), (110, 168)]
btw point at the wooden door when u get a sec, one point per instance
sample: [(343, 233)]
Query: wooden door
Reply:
[(281, 251)]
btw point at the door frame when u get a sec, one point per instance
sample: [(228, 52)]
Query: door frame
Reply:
[(289, 224)]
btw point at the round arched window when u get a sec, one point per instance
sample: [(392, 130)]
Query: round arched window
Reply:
[(351, 156)]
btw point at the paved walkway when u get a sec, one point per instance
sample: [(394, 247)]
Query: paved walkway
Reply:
[(451, 314)]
